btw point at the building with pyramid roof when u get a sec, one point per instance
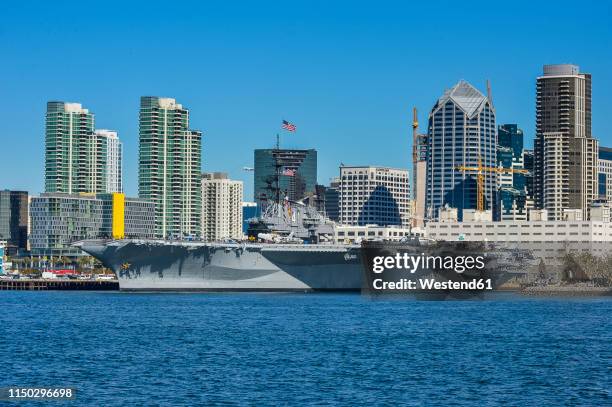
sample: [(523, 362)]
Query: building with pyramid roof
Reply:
[(461, 132)]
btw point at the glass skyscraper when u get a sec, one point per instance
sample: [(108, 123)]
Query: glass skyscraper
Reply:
[(461, 132), (509, 135), (170, 160), (14, 219), (297, 170), (513, 196)]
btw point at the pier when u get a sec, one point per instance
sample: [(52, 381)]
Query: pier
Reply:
[(60, 285)]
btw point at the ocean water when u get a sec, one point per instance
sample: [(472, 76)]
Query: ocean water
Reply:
[(121, 349)]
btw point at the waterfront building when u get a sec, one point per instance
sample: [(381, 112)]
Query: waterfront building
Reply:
[(126, 217), (14, 220), (249, 211), (548, 239), (170, 160), (297, 173), (605, 174), (374, 196), (565, 153), (347, 234), (221, 207), (60, 219), (114, 159), (461, 132)]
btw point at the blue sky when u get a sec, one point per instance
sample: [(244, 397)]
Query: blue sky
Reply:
[(347, 73)]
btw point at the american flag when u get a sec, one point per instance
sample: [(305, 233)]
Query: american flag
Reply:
[(288, 126), (289, 172)]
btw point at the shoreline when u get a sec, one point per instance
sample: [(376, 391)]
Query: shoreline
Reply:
[(567, 290)]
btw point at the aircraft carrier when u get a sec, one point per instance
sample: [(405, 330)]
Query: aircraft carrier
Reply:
[(159, 265)]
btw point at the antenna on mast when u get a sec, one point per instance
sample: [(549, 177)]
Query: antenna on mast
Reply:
[(489, 92), (278, 166)]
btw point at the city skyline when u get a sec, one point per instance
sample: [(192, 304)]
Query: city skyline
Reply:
[(349, 102)]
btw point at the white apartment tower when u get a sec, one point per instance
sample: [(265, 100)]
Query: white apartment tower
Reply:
[(374, 196), (221, 207), (114, 159)]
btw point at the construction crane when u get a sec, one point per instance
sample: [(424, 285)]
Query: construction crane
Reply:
[(480, 170), (415, 131)]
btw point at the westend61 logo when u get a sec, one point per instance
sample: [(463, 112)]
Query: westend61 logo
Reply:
[(433, 269)]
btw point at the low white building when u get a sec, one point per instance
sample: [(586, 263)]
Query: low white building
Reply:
[(545, 239), (472, 215), (355, 234)]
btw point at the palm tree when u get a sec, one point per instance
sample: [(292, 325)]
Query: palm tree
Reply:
[(19, 263), (85, 261)]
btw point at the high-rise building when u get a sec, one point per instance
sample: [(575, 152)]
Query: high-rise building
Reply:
[(332, 200), (221, 207), (69, 127), (77, 158), (114, 159), (249, 211), (297, 174), (510, 136), (605, 174), (514, 201), (528, 164), (170, 160), (462, 132), (60, 219), (374, 196), (317, 200), (565, 153), (14, 220)]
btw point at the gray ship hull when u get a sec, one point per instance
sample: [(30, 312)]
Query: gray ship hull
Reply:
[(150, 265)]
